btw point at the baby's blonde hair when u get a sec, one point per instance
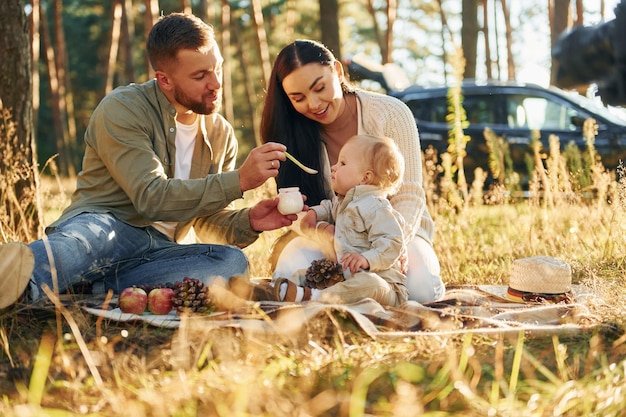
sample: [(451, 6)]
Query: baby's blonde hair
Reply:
[(382, 156)]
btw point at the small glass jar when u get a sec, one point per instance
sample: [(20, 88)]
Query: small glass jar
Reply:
[(290, 200)]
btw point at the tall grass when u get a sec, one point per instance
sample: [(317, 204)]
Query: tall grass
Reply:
[(18, 219), (65, 362)]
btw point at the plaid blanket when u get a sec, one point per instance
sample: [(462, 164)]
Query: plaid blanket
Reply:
[(464, 309)]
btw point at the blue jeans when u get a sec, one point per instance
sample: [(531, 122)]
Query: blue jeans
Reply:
[(103, 250)]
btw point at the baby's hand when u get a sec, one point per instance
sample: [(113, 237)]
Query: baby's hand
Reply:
[(354, 262), (325, 236), (404, 261), (326, 229), (308, 221)]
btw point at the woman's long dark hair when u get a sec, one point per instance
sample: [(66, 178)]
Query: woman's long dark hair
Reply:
[(282, 123)]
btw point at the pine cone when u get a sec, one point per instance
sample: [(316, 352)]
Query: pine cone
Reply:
[(191, 295), (323, 273)]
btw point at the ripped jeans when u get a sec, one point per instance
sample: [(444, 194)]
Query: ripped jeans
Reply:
[(99, 249)]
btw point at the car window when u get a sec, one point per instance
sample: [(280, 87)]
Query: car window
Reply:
[(478, 109), (542, 114), (429, 110), (523, 111)]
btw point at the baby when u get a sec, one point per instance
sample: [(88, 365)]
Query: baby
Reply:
[(366, 232)]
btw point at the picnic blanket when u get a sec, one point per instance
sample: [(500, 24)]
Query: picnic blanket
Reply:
[(463, 309)]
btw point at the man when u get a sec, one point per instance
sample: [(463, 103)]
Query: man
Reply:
[(158, 171)]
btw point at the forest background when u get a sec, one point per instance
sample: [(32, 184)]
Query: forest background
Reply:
[(58, 58)]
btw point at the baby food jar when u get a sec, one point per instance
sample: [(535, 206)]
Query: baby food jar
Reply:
[(290, 200)]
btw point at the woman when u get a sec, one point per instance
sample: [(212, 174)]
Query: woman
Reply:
[(310, 108)]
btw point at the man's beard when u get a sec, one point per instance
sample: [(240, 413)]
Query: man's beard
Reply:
[(199, 107)]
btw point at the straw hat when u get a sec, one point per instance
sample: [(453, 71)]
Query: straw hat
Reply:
[(540, 278)]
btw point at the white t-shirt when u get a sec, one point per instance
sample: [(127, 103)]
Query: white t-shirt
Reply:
[(185, 143)]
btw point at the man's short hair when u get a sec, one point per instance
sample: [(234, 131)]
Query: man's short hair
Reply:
[(175, 32)]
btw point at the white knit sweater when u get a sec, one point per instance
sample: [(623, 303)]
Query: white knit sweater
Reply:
[(382, 115)]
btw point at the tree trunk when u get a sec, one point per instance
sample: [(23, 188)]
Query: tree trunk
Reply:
[(469, 36), (444, 27), (377, 31), (151, 15), (227, 82), (203, 11), (185, 6), (488, 62), (66, 100), (128, 34), (561, 21), (53, 82), (392, 12), (509, 41), (496, 37), (15, 64), (292, 15), (35, 42), (244, 64), (579, 13), (259, 25), (329, 25), (114, 46), (16, 130)]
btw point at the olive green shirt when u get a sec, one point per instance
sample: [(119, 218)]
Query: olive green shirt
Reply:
[(128, 169)]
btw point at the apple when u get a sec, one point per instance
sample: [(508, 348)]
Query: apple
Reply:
[(160, 300), (133, 300)]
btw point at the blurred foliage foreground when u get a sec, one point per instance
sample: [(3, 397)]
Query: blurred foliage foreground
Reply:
[(65, 362)]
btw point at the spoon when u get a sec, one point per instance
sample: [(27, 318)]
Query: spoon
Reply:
[(303, 167)]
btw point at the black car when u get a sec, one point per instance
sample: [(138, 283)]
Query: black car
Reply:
[(513, 111)]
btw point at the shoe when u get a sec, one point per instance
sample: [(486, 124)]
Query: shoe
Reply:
[(242, 287), (293, 293), (16, 267)]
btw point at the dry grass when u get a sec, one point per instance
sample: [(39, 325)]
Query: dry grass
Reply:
[(332, 369), (66, 362)]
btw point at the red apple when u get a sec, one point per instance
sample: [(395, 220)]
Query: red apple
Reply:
[(133, 300), (160, 300)]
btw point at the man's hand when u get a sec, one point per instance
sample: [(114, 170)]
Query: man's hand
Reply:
[(262, 163), (354, 262), (265, 216)]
